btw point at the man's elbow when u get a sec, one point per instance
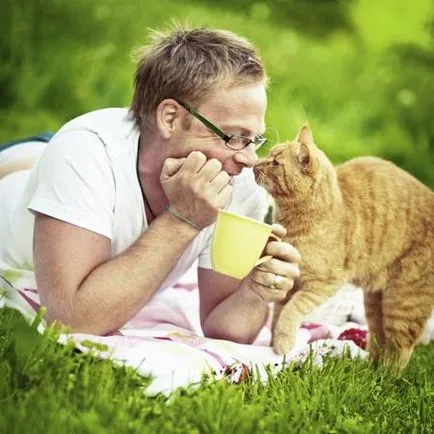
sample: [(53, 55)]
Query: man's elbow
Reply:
[(213, 332), (72, 320)]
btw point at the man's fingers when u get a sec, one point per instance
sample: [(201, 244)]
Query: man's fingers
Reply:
[(282, 250), (171, 166), (210, 170), (272, 286), (278, 230), (289, 270), (194, 162), (225, 195), (220, 181)]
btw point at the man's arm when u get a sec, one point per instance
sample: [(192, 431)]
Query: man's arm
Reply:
[(236, 310), (85, 289), (79, 283), (228, 309)]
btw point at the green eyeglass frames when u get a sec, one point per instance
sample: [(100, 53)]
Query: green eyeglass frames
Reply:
[(232, 141)]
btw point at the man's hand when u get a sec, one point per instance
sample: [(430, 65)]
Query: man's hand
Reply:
[(236, 310), (272, 279), (196, 187)]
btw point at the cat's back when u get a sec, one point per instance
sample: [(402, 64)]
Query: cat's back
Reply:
[(379, 180), (386, 213), (385, 204)]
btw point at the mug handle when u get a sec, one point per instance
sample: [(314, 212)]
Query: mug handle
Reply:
[(267, 257)]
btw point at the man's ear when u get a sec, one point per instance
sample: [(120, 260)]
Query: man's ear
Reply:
[(305, 136), (167, 117), (305, 158)]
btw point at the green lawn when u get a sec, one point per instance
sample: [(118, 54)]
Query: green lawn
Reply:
[(49, 388), (369, 91)]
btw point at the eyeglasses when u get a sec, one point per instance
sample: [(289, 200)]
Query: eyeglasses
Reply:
[(232, 141)]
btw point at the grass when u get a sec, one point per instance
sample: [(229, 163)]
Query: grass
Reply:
[(49, 388), (360, 98)]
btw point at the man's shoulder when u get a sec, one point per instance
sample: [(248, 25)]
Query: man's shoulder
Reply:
[(100, 120), (112, 128)]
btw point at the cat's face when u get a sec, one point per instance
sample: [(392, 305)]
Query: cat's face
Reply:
[(294, 169)]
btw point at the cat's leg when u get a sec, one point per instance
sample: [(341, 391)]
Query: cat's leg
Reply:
[(374, 317), (304, 301), (405, 314)]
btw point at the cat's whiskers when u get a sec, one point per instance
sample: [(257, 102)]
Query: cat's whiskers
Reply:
[(260, 178), (343, 221)]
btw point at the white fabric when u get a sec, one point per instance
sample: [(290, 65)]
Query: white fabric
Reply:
[(87, 177), (32, 149), (165, 340)]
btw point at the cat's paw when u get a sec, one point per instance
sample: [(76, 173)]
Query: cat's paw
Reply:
[(282, 343)]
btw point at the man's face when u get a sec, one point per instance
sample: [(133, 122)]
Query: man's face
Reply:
[(236, 110)]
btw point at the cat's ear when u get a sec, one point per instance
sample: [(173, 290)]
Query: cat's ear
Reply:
[(305, 158), (305, 136)]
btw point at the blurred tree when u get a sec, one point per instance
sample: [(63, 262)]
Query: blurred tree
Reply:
[(46, 45), (61, 58), (413, 89), (409, 102), (312, 18)]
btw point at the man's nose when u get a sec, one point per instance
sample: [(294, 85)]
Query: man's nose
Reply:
[(246, 156)]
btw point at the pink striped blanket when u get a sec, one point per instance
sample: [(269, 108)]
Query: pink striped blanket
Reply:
[(165, 341)]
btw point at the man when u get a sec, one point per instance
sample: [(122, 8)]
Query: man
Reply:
[(122, 203)]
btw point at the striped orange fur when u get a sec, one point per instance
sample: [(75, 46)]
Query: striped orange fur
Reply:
[(366, 221)]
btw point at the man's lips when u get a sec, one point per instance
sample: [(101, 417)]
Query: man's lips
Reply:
[(235, 172)]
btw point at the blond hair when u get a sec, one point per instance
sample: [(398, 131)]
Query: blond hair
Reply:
[(188, 64)]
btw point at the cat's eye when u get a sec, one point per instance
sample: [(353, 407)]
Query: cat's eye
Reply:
[(275, 163)]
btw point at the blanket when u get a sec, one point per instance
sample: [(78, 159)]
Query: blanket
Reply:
[(165, 341)]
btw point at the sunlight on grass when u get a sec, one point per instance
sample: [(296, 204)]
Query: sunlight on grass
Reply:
[(359, 94), (46, 387)]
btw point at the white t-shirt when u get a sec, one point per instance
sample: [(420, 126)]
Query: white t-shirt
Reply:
[(87, 177)]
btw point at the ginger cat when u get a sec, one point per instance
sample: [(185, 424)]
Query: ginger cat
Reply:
[(367, 222)]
